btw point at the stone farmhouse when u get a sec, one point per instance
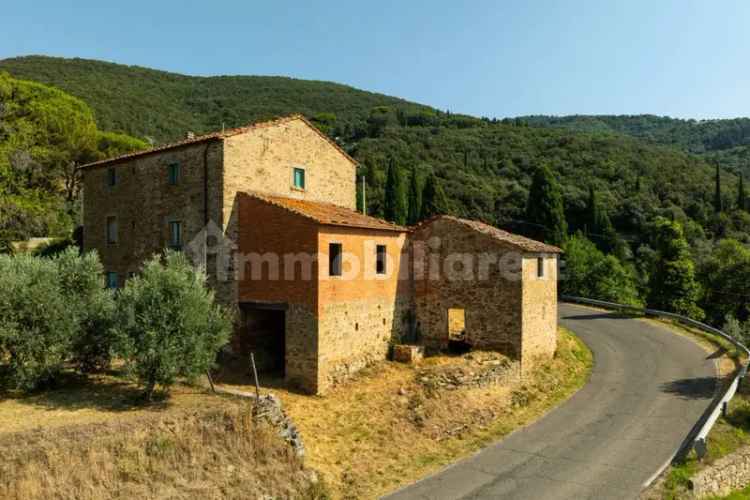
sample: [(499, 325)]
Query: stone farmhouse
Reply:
[(321, 290)]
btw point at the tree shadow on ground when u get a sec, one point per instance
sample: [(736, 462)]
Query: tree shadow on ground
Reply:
[(102, 392), (607, 315), (691, 388)]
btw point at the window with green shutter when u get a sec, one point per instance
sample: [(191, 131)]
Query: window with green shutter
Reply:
[(173, 173), (299, 178)]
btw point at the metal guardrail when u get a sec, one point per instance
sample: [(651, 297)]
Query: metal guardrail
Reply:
[(719, 405)]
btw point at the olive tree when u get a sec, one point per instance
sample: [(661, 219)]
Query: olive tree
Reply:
[(168, 324)]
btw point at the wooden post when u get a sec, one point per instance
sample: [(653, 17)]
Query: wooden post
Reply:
[(255, 375), (210, 381)]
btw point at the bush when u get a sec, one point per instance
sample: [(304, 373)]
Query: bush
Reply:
[(168, 324), (37, 328)]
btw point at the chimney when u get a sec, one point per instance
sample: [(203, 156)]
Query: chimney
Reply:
[(190, 135)]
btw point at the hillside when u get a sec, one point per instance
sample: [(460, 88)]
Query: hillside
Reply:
[(164, 106), (726, 141)]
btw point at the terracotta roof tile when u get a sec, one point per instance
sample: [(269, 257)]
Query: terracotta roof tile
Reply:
[(327, 213), (521, 242), (216, 136)]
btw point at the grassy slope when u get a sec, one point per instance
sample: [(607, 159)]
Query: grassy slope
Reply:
[(383, 429), (89, 440)]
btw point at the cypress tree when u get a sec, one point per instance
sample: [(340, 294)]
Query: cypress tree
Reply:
[(718, 204), (394, 204), (599, 224), (434, 201), (742, 196), (415, 198), (544, 208)]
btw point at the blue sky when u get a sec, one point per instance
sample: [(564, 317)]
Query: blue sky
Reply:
[(492, 58)]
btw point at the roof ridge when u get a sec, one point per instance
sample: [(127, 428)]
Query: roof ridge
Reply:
[(221, 135)]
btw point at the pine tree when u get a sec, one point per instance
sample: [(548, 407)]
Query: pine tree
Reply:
[(394, 205), (544, 208), (718, 203), (415, 198), (434, 201), (672, 284), (742, 196)]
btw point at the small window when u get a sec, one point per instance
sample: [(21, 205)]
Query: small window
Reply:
[(111, 230), (112, 281), (299, 178), (380, 261), (334, 259), (173, 173), (540, 267), (111, 177), (175, 234)]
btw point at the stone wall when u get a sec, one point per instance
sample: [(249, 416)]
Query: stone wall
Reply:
[(492, 304), (144, 202), (539, 319), (360, 312), (727, 474)]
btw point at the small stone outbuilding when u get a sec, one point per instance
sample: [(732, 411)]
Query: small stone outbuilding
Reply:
[(484, 287)]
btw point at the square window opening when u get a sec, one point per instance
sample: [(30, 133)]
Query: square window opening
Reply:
[(334, 259), (112, 280)]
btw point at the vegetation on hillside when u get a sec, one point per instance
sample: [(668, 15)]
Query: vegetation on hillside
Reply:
[(725, 141)]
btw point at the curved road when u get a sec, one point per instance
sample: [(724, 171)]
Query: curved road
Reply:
[(647, 390)]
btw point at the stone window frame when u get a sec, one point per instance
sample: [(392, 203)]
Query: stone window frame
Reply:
[(295, 169), (108, 236)]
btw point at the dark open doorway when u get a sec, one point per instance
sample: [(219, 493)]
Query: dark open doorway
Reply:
[(264, 334)]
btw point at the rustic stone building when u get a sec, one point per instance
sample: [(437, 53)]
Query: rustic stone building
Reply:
[(320, 289), (485, 288)]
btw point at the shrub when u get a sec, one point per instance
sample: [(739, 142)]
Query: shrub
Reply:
[(37, 327), (168, 324)]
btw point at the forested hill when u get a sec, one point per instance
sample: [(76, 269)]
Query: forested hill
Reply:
[(485, 165), (164, 106), (726, 141)]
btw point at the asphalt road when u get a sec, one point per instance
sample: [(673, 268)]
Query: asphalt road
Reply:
[(647, 390)]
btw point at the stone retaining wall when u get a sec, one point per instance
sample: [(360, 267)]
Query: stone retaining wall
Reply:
[(724, 476)]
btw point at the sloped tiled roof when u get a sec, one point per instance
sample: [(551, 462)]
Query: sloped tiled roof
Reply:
[(520, 242), (327, 213), (215, 136)]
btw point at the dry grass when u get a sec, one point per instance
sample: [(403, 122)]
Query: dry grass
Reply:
[(383, 429), (96, 399), (207, 454)]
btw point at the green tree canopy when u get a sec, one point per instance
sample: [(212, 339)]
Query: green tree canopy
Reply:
[(672, 285), (415, 198)]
